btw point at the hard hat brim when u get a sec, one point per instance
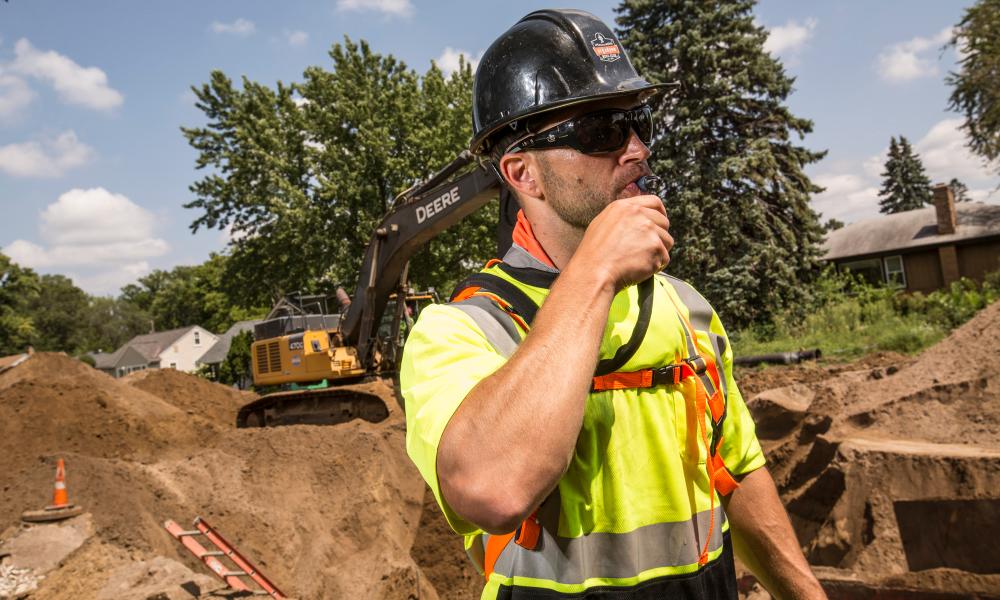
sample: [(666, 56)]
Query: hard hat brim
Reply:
[(636, 86)]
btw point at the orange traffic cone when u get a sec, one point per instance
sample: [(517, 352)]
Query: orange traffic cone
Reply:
[(60, 497), (61, 508)]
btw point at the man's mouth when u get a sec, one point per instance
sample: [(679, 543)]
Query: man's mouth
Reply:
[(633, 189)]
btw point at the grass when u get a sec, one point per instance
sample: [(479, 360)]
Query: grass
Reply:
[(848, 319)]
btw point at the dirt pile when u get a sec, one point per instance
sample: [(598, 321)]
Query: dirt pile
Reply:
[(891, 470), (326, 512)]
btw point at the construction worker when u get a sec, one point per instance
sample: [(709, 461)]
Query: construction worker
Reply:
[(573, 408)]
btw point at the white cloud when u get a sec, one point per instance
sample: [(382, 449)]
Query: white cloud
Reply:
[(111, 282), (396, 8), (14, 95), (240, 27), (45, 158), (854, 195), (297, 38), (106, 235), (790, 38), (448, 62), (945, 155), (85, 86), (847, 197), (913, 58)]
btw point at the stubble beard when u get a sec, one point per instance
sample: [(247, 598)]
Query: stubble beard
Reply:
[(573, 201)]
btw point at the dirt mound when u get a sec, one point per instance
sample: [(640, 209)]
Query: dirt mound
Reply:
[(193, 395), (326, 512), (890, 467)]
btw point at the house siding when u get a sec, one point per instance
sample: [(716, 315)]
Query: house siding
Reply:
[(976, 260), (184, 353), (923, 271)]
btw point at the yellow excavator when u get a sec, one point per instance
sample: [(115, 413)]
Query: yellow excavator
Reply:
[(316, 361)]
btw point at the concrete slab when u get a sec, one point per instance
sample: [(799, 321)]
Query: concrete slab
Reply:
[(42, 547)]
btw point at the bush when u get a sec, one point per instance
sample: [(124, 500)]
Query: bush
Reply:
[(848, 318)]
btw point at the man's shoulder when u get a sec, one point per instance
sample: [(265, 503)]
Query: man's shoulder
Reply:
[(688, 294)]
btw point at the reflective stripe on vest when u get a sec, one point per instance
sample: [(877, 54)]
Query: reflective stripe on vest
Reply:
[(572, 561)]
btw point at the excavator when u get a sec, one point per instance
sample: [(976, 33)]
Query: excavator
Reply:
[(319, 361)]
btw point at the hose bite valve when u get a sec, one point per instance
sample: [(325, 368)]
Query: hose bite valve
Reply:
[(650, 184)]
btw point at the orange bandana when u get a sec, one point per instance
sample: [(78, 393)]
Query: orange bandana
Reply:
[(525, 238)]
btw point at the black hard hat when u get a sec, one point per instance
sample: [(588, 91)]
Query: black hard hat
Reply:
[(548, 60)]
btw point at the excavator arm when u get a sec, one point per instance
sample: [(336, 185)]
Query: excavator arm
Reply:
[(420, 214)]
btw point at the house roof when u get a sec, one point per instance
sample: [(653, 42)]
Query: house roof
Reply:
[(150, 345), (910, 229), (217, 353), (126, 356)]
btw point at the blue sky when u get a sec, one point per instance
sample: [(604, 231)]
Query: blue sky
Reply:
[(94, 170)]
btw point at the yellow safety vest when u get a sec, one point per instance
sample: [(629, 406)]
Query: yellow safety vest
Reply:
[(636, 511)]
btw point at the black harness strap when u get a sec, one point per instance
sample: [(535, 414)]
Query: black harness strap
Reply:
[(524, 306), (532, 277), (627, 350)]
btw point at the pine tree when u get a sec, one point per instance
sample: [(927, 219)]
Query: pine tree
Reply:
[(736, 193), (960, 190), (905, 185)]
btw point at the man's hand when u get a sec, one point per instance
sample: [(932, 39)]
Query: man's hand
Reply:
[(628, 242)]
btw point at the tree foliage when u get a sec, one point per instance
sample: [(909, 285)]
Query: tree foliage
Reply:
[(905, 185), (737, 195), (976, 93), (301, 174), (19, 290), (235, 368), (960, 190), (190, 295), (50, 313)]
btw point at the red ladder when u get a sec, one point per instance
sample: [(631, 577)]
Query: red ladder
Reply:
[(244, 568)]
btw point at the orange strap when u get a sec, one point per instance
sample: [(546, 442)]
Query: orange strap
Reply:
[(623, 381), (494, 546), (525, 536)]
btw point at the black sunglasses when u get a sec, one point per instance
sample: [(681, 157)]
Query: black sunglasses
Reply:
[(593, 133)]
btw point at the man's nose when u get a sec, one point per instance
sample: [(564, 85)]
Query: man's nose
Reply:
[(635, 149)]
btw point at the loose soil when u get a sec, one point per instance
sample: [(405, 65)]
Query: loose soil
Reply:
[(889, 467)]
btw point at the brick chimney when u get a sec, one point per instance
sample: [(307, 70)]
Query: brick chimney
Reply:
[(944, 205)]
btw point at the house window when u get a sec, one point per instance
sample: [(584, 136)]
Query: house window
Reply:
[(173, 365), (870, 270), (894, 273), (197, 339)]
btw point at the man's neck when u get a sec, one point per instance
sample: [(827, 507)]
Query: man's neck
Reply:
[(559, 239)]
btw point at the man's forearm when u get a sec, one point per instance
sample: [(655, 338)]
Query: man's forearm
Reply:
[(512, 437), (765, 541)]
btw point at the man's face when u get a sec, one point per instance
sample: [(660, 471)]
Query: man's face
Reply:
[(579, 186)]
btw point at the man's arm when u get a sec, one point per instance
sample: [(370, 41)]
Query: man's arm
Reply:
[(512, 438), (764, 540)]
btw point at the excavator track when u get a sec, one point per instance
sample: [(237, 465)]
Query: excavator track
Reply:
[(325, 406)]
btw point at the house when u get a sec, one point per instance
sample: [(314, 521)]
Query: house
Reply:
[(921, 250), (218, 352), (174, 349)]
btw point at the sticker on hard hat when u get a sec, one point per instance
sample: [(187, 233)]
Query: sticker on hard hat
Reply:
[(605, 48)]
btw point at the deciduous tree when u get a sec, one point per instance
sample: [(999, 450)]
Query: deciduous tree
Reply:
[(300, 174)]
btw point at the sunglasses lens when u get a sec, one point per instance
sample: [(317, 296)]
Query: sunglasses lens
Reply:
[(643, 124), (601, 132)]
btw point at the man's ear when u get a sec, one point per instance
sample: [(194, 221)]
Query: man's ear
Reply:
[(519, 170)]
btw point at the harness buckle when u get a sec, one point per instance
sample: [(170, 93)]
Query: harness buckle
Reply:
[(668, 375), (697, 364)]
